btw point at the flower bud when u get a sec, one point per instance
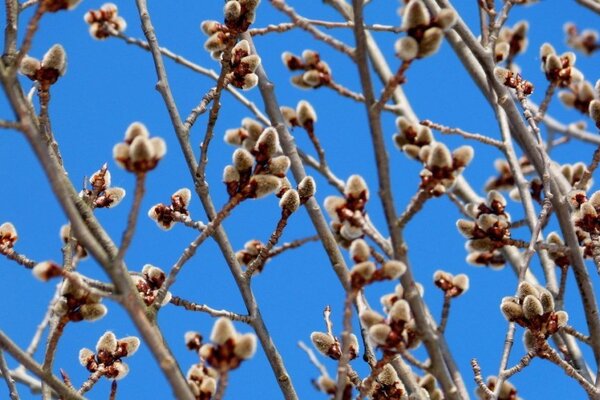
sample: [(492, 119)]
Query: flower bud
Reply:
[(245, 346), (290, 201), (222, 331)]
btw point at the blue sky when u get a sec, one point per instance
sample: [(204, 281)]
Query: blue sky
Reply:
[(109, 84)]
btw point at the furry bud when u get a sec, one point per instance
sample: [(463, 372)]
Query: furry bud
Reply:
[(290, 201), (222, 331)]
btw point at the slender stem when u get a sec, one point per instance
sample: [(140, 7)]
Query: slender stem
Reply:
[(223, 381), (91, 381), (52, 343), (10, 382), (140, 179), (191, 306), (258, 262), (445, 314), (29, 363)]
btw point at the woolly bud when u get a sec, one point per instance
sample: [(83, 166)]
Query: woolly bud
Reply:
[(532, 307), (359, 251), (407, 48), (290, 201), (311, 78), (588, 211), (545, 50), (439, 157), (210, 27), (208, 386), (356, 187), (55, 59), (232, 10), (30, 66), (251, 62), (245, 346), (183, 197), (264, 185), (529, 340), (215, 42), (322, 342), (121, 370), (222, 331), (307, 188), (430, 43), (446, 18), (363, 270), (8, 234), (332, 204), (107, 343), (242, 160), (311, 57), (46, 270), (242, 47), (466, 227), (525, 289), (400, 311), (461, 282), (511, 310), (306, 113), (111, 197), (134, 130), (547, 301), (561, 318), (129, 345), (369, 318), (463, 156), (193, 340), (289, 115), (250, 80), (350, 232), (230, 174), (379, 333), (415, 15), (85, 357), (393, 269), (92, 312), (594, 111), (267, 143), (278, 166)]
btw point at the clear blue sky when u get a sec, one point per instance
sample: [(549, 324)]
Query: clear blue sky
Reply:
[(108, 85)]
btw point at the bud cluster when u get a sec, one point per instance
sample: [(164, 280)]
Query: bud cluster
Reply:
[(424, 32), (452, 286), (149, 282), (559, 69), (202, 380), (47, 71), (348, 212), (579, 96), (250, 251), (533, 309), (585, 218), (316, 71), (388, 300), (261, 170), (102, 195), (411, 137), (105, 20), (164, 215), (511, 42), (513, 80), (108, 356), (8, 236), (490, 227), (330, 346), (242, 65), (365, 272), (441, 168), (138, 153), (387, 385), (245, 136), (238, 16), (585, 41), (228, 348), (75, 303), (505, 179), (507, 391), (396, 331)]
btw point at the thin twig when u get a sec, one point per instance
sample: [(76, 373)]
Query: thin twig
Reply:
[(191, 306), (10, 382), (140, 179), (29, 363), (467, 135), (91, 381)]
